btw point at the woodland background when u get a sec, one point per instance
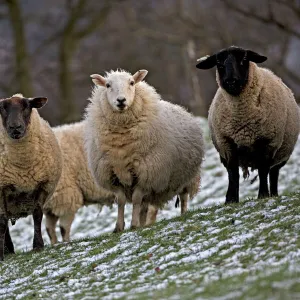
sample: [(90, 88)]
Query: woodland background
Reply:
[(49, 48)]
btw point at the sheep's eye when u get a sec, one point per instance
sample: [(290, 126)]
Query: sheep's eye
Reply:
[(131, 82), (108, 85)]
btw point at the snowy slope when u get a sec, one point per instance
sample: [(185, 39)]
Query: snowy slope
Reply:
[(246, 251), (91, 222)]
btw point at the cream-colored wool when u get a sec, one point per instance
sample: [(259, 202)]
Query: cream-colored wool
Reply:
[(265, 109), (154, 146), (28, 164), (76, 186)]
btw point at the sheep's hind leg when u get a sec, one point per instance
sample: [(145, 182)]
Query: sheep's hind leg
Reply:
[(51, 221), (121, 199), (137, 198), (65, 224), (152, 214), (183, 201), (9, 246), (38, 242), (273, 178), (3, 226), (144, 213)]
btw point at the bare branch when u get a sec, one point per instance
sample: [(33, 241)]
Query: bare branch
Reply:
[(96, 21), (267, 20)]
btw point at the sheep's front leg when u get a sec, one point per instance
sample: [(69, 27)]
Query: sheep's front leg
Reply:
[(137, 198), (263, 172), (232, 166), (38, 242), (121, 199)]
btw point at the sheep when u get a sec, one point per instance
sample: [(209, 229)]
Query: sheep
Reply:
[(148, 213), (254, 119), (30, 165), (140, 147), (76, 186)]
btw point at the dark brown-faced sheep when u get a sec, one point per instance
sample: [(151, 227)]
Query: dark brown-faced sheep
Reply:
[(30, 166), (254, 119), (140, 147)]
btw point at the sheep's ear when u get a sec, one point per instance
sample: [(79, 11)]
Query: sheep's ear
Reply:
[(98, 79), (140, 75), (38, 102), (255, 57), (207, 62)]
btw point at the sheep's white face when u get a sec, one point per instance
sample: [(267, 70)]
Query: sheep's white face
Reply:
[(120, 88)]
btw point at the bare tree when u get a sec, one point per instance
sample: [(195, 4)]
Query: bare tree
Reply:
[(22, 65)]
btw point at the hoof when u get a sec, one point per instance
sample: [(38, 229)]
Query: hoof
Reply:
[(118, 228), (9, 251), (134, 227), (38, 247)]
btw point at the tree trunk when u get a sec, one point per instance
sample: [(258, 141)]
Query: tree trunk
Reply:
[(197, 104), (21, 55), (67, 107)]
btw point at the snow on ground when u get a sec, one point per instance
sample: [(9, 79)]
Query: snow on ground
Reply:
[(91, 222), (206, 249)]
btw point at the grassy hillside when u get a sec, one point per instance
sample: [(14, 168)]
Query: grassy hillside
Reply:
[(245, 251)]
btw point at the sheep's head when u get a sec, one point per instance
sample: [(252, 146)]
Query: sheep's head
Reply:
[(120, 87), (15, 114), (233, 67)]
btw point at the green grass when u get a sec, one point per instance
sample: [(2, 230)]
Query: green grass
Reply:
[(244, 251)]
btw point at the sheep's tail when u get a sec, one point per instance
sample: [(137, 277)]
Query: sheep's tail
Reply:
[(254, 179), (246, 173)]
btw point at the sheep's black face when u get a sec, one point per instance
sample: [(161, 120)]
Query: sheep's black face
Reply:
[(233, 67), (15, 113)]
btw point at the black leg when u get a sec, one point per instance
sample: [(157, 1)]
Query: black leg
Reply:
[(274, 174), (263, 173), (232, 195), (3, 226), (38, 242), (9, 246)]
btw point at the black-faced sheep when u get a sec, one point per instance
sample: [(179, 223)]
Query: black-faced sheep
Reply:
[(30, 165), (254, 119), (140, 147), (76, 186)]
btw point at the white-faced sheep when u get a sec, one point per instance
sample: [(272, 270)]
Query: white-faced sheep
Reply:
[(76, 186), (140, 147), (254, 119), (30, 165)]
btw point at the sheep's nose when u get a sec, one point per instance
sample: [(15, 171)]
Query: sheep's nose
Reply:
[(230, 81), (15, 127), (121, 100)]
